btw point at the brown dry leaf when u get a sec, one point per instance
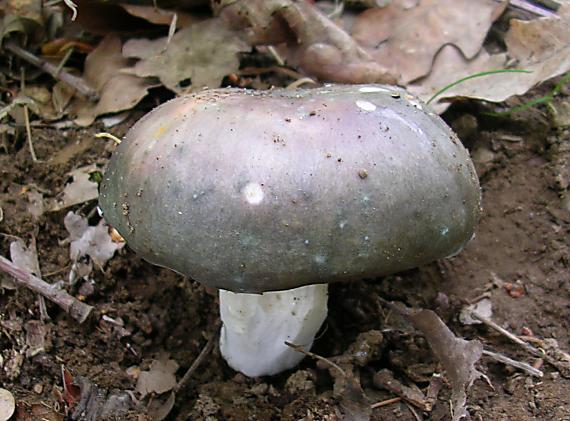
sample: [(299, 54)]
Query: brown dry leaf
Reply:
[(541, 46), (458, 356), (407, 39), (385, 379), (200, 55), (450, 66), (81, 189), (159, 378), (313, 42), (118, 91)]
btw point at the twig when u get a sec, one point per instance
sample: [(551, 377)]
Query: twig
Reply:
[(533, 8), (518, 364), (27, 120), (75, 308), (386, 402), (300, 349), (414, 413), (525, 345), (74, 81), (199, 359), (276, 56)]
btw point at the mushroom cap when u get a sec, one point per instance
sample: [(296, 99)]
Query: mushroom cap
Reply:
[(254, 191)]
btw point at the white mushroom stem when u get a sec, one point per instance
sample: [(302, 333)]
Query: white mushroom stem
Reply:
[(256, 326)]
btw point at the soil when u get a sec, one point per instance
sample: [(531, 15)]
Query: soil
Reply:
[(519, 259)]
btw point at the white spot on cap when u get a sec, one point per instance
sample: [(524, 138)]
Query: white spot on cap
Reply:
[(253, 193), (365, 105), (372, 89)]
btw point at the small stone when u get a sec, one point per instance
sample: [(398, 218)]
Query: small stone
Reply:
[(363, 174)]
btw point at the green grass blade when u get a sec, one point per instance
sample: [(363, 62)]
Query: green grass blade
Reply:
[(473, 76)]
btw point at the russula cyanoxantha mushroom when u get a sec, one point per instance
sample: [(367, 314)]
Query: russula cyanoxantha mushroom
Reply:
[(286, 191)]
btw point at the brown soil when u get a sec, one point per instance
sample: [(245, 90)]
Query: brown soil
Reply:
[(522, 245)]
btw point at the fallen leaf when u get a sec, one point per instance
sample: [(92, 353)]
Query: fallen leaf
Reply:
[(458, 356), (118, 91), (449, 66), (159, 378), (7, 404), (80, 190), (407, 39), (314, 43), (35, 203), (541, 46), (159, 410), (92, 241), (200, 55), (25, 258), (385, 379), (483, 307)]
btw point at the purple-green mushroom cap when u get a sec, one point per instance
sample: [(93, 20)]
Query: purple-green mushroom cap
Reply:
[(254, 191)]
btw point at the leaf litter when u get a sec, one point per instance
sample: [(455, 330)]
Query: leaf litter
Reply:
[(453, 48), (197, 56), (93, 241), (82, 188)]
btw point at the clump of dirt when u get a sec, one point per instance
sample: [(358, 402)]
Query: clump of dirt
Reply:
[(519, 260)]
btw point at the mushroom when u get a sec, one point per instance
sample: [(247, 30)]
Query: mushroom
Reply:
[(270, 195)]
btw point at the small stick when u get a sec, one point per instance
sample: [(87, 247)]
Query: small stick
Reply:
[(386, 402), (518, 364), (533, 8), (29, 134), (298, 348), (75, 82), (71, 305), (414, 413), (199, 359), (27, 121), (525, 345)]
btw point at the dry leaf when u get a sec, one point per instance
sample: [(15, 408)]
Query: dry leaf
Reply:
[(35, 203), (541, 46), (458, 356), (81, 189), (313, 42), (118, 91), (92, 241), (25, 257), (159, 378), (201, 55), (385, 379), (407, 39), (159, 410), (450, 66), (483, 308)]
